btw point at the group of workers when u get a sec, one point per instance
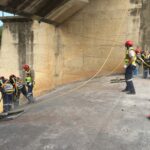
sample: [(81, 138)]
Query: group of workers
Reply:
[(12, 88), (133, 59)]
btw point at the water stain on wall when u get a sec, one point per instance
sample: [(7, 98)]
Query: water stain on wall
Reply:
[(135, 1), (23, 37), (145, 25)]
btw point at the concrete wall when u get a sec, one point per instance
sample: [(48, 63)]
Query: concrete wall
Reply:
[(44, 56), (145, 25), (31, 43), (87, 38), (75, 50)]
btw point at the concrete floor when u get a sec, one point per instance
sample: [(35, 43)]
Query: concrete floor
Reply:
[(97, 116)]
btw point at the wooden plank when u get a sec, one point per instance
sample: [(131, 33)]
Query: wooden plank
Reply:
[(17, 111), (117, 80), (11, 117), (11, 114)]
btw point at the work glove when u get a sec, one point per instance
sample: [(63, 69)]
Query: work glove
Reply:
[(125, 66), (30, 84)]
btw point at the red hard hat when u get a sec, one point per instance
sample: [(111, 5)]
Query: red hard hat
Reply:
[(128, 43), (138, 51), (25, 67)]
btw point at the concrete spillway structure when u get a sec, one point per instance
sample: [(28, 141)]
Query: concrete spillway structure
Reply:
[(74, 50), (50, 11)]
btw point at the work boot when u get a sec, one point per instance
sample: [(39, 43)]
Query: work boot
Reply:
[(6, 109), (131, 92), (30, 100), (16, 104), (125, 90), (131, 88), (148, 116)]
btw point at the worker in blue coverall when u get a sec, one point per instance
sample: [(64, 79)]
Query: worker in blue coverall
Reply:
[(7, 91), (130, 66), (29, 80)]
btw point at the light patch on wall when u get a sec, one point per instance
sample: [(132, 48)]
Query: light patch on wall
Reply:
[(5, 14)]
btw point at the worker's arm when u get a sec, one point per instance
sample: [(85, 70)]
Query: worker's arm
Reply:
[(4, 83), (131, 56)]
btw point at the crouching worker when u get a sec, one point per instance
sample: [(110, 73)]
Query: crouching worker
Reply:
[(22, 89), (7, 94), (19, 87), (130, 66), (29, 80), (29, 84)]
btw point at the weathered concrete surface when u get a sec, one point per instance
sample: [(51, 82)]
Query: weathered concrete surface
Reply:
[(90, 35), (96, 117), (31, 43), (65, 11), (75, 50), (44, 56), (145, 22), (50, 11)]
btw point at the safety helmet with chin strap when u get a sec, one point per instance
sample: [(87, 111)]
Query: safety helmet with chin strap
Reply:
[(26, 67), (128, 43)]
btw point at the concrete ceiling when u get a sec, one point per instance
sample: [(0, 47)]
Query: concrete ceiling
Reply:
[(50, 11)]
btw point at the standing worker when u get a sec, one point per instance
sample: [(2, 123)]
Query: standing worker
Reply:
[(29, 80), (12, 79), (7, 93), (4, 104), (19, 87), (146, 58), (138, 60), (130, 65)]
